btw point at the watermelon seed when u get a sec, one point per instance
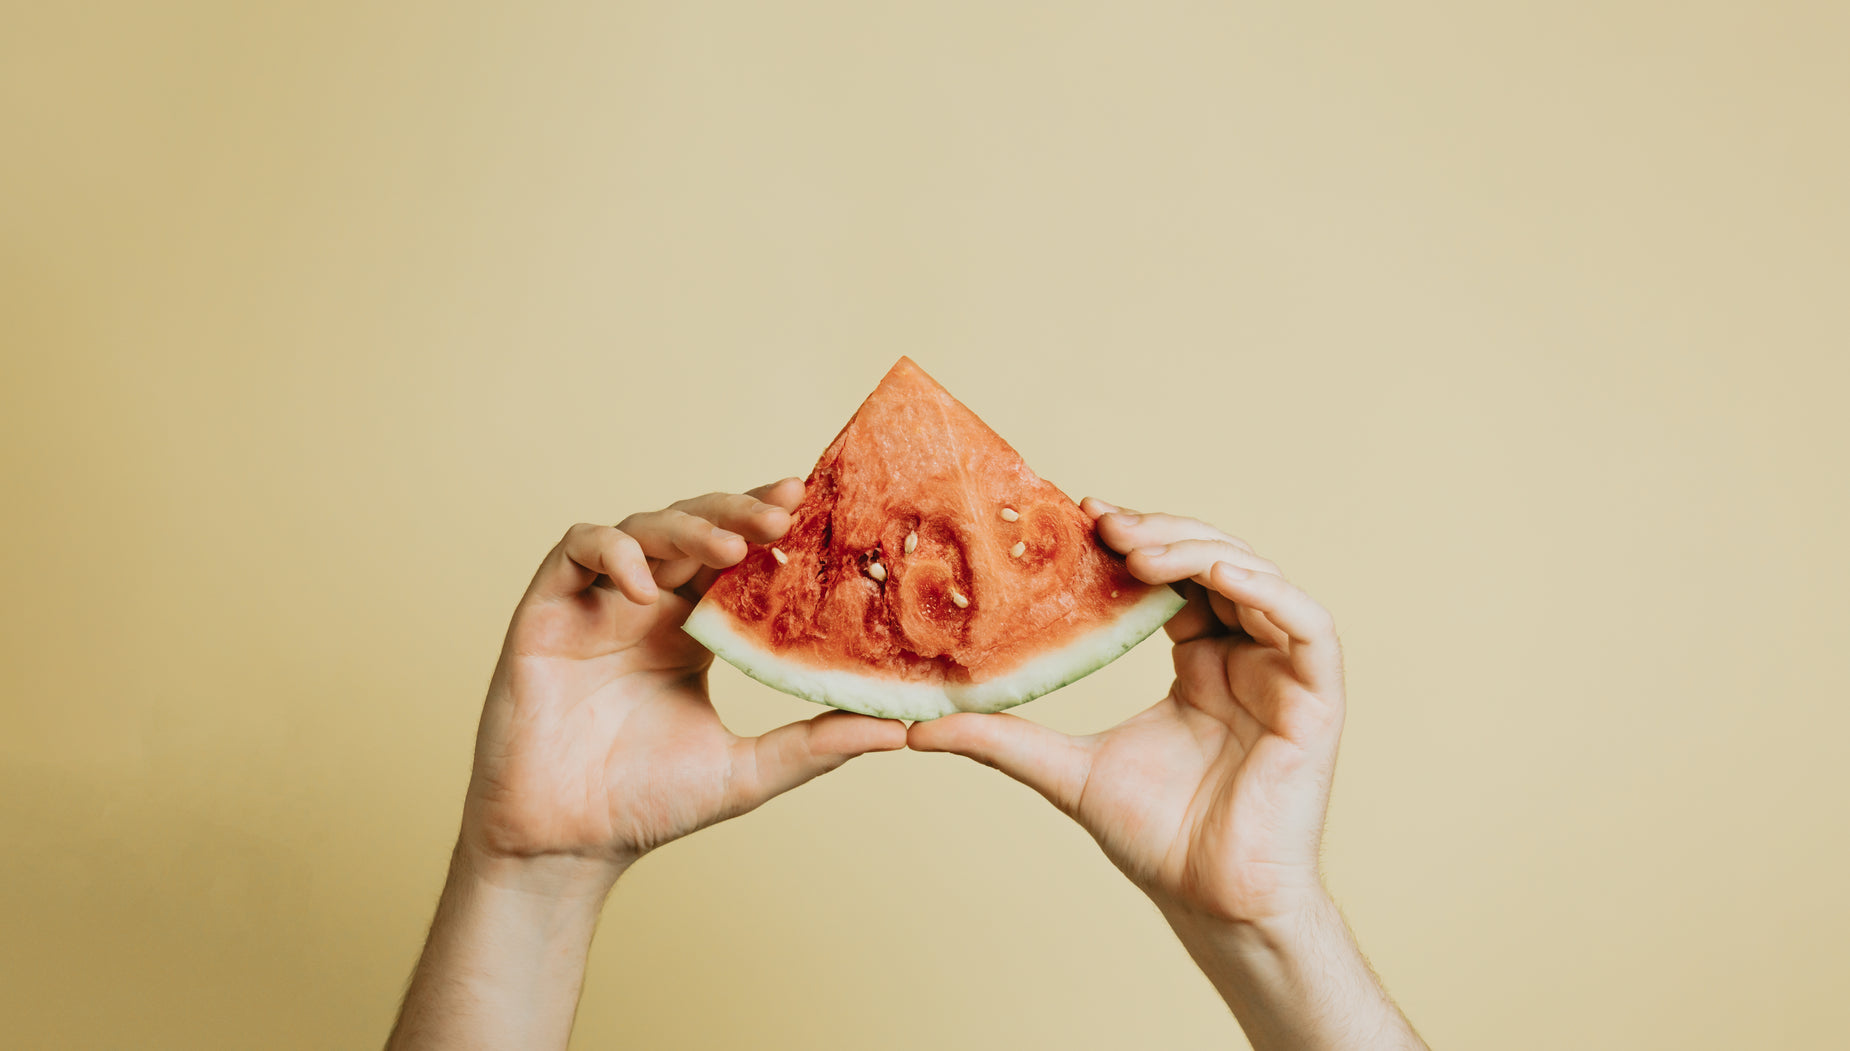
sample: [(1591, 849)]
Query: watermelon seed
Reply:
[(1016, 551), (876, 570), (958, 598), (782, 559), (912, 542), (1114, 594), (1009, 514)]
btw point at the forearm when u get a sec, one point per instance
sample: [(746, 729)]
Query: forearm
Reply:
[(505, 960), (1296, 982)]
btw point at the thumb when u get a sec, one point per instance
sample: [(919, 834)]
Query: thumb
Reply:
[(774, 763), (1045, 760)]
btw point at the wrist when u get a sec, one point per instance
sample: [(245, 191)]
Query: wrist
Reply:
[(564, 879), (1271, 927), (1294, 978), (1255, 895)]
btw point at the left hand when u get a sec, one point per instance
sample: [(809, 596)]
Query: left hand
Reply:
[(1213, 799)]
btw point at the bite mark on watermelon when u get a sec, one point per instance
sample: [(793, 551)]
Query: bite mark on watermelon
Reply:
[(927, 571)]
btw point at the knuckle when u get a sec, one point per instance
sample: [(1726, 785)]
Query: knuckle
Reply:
[(1213, 553), (1194, 525), (701, 520)]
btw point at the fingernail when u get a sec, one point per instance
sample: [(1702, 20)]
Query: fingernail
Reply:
[(723, 535), (1150, 552), (1106, 506), (761, 507), (1232, 571)]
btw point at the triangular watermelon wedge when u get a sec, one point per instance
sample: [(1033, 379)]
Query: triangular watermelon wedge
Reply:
[(927, 571)]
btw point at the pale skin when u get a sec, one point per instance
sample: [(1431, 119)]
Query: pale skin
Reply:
[(598, 743)]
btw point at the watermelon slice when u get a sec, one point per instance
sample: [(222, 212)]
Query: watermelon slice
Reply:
[(927, 571)]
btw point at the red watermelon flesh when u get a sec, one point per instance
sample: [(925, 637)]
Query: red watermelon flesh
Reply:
[(927, 571)]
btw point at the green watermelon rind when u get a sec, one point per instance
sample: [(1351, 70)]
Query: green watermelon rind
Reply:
[(888, 698)]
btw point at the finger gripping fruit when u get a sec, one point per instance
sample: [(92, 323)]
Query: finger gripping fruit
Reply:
[(927, 571)]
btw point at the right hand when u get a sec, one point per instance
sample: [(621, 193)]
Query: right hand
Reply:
[(1213, 799), (598, 741)]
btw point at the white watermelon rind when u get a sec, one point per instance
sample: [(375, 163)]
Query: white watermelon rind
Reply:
[(717, 630)]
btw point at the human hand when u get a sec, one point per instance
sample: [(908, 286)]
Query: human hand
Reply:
[(1213, 799), (597, 740)]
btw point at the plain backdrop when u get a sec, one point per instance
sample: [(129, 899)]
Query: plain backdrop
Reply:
[(1515, 332)]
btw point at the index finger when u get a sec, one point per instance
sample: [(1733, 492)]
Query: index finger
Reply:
[(762, 515), (786, 493), (747, 514)]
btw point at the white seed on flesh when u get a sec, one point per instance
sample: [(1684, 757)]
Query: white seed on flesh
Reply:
[(1016, 551), (912, 542), (1009, 514), (782, 559), (958, 598), (1114, 594), (876, 570)]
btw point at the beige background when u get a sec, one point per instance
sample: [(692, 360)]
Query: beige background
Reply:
[(1515, 332)]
